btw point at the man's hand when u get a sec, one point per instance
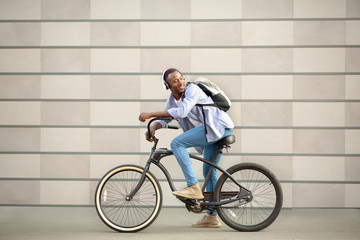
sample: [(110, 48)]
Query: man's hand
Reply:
[(143, 116), (152, 133)]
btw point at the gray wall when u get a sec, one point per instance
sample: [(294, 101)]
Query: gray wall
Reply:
[(74, 75)]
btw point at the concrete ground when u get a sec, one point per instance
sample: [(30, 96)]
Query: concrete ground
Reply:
[(173, 223)]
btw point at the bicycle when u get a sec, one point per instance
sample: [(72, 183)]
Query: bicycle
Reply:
[(247, 196)]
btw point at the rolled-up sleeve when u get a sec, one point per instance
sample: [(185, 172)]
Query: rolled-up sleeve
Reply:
[(164, 124), (189, 101)]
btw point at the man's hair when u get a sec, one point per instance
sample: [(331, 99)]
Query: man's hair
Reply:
[(169, 71)]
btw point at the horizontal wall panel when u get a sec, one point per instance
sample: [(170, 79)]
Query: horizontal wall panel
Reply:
[(266, 114), (20, 166), (226, 9), (20, 9), (112, 87), (165, 34), (319, 141), (322, 60), (65, 60), (154, 9), (115, 9), (65, 34), (19, 139), (208, 60), (216, 34), (20, 34), (67, 193), (65, 86), (101, 164), (20, 60), (267, 33), (319, 87), (352, 114), (62, 139), (115, 140), (352, 168), (66, 9), (319, 168), (320, 33), (114, 113), (21, 87), (72, 113), (267, 9), (352, 141), (319, 9), (122, 60), (157, 60), (351, 199), (267, 87), (57, 166), (267, 60), (115, 33), (319, 114), (20, 112), (353, 59), (352, 32), (333, 195), (266, 141), (20, 192)]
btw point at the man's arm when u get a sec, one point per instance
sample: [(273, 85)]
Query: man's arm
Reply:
[(143, 116), (146, 115)]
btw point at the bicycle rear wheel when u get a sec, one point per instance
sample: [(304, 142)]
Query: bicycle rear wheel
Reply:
[(266, 191), (128, 215)]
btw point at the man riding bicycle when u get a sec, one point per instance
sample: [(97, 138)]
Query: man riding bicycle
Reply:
[(203, 126)]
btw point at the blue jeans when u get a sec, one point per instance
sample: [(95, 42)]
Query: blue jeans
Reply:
[(196, 138)]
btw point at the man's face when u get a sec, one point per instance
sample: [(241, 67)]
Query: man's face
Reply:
[(176, 83)]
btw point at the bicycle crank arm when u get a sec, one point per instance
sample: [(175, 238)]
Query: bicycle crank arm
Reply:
[(241, 199)]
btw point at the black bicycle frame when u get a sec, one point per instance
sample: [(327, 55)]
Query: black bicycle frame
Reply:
[(157, 154)]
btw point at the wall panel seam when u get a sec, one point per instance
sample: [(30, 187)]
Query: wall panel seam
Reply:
[(174, 180), (183, 47), (147, 153), (178, 20), (164, 100), (186, 73), (143, 126)]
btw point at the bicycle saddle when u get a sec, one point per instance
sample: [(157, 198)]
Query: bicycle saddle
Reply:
[(226, 141)]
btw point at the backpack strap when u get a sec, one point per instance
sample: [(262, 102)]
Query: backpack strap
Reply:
[(203, 112)]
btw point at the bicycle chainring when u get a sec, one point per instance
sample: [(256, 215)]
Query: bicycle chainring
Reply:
[(195, 207)]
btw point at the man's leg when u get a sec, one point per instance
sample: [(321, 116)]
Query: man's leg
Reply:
[(191, 138)]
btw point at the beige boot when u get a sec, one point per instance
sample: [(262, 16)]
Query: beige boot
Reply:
[(192, 192), (208, 221)]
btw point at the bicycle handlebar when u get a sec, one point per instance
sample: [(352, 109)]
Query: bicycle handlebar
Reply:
[(160, 118)]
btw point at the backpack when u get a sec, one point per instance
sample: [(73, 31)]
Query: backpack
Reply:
[(212, 90)]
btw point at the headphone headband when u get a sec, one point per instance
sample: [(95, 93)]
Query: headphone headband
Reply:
[(164, 83)]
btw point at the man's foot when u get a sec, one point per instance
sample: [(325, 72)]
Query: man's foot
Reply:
[(192, 192), (208, 221)]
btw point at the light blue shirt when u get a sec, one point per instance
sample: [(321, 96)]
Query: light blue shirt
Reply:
[(189, 116)]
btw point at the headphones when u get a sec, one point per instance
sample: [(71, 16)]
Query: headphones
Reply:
[(164, 83)]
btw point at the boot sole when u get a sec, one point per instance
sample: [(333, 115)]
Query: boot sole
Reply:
[(206, 226), (188, 196)]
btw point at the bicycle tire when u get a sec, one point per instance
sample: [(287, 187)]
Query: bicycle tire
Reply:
[(123, 215), (265, 205)]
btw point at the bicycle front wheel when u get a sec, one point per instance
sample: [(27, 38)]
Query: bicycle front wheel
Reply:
[(122, 214), (266, 202)]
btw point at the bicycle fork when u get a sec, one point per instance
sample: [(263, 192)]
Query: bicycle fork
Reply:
[(130, 196)]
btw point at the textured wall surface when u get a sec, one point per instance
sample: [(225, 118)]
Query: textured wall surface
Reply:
[(74, 75)]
